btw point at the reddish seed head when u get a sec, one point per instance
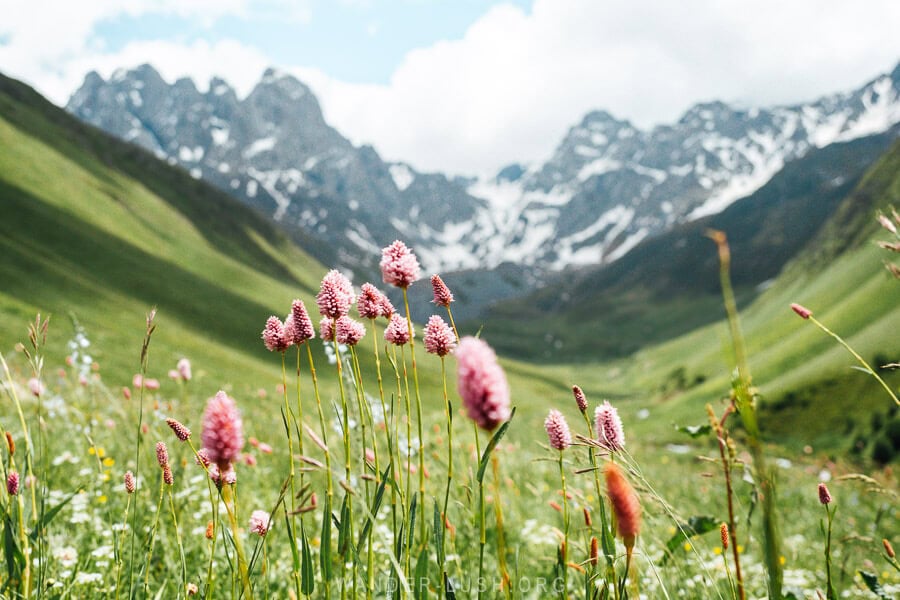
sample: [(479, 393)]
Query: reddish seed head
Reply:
[(130, 484), (223, 435), (10, 444), (259, 522), (12, 483), (162, 454), (181, 432), (580, 398), (126, 393), (335, 295), (439, 338), (587, 517), (442, 294), (481, 383), (301, 325), (372, 303), (824, 494), (326, 329), (348, 331), (609, 427), (399, 265), (168, 478), (888, 549), (397, 331), (273, 335), (624, 502), (801, 310), (210, 530), (595, 551), (557, 430), (723, 533)]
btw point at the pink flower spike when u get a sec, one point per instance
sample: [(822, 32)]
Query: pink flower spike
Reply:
[(302, 325), (274, 337), (181, 432), (609, 427), (335, 295), (801, 310), (137, 381), (326, 329), (824, 494), (162, 454), (372, 303), (259, 522), (442, 294), (174, 375), (130, 483), (439, 338), (558, 430), (151, 384), (223, 435), (348, 331), (481, 383), (184, 369), (36, 387), (399, 266), (12, 483), (580, 398), (397, 331)]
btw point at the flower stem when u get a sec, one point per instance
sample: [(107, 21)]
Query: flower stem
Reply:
[(565, 548), (412, 351)]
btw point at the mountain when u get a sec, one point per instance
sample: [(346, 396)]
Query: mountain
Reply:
[(607, 186), (668, 285)]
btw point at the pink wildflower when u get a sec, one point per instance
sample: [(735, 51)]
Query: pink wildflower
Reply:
[(174, 375), (36, 387), (558, 430), (399, 265), (439, 338), (372, 303), (302, 329), (12, 483), (801, 310), (326, 329), (126, 393), (482, 383), (130, 484), (335, 295), (223, 435), (824, 494), (609, 427), (265, 448), (137, 381), (274, 335), (151, 384), (162, 454), (168, 478), (181, 432), (202, 457), (184, 369), (259, 522), (442, 294), (397, 331), (348, 331), (580, 398)]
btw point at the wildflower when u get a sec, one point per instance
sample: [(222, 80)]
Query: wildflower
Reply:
[(335, 295), (210, 530), (202, 457), (137, 381), (36, 387), (326, 329), (442, 295), (397, 331), (625, 504), (439, 338), (162, 454), (887, 224), (174, 375), (181, 432), (130, 483), (824, 494), (372, 303), (399, 265), (580, 399), (609, 427), (302, 327), (126, 393), (12, 483), (184, 369), (274, 335), (801, 310), (558, 430), (151, 384), (259, 522), (168, 478), (265, 448), (481, 383), (222, 435), (347, 331), (192, 589), (723, 533)]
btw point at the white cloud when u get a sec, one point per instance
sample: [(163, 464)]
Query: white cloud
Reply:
[(516, 81)]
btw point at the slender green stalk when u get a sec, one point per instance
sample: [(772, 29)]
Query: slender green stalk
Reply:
[(121, 541), (859, 358), (721, 436), (388, 428), (409, 534), (412, 352), (288, 418), (501, 536), (452, 323), (482, 534), (444, 514), (152, 537), (229, 494), (345, 411), (565, 548), (365, 415), (607, 543), (831, 593), (184, 580), (329, 489)]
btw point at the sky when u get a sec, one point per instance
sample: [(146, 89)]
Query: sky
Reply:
[(468, 86)]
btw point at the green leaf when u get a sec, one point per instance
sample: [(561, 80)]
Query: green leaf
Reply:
[(493, 444), (49, 515), (307, 575), (420, 586), (694, 431), (871, 581), (344, 526), (695, 526), (376, 504), (438, 533), (325, 553), (412, 515), (14, 556), (448, 588)]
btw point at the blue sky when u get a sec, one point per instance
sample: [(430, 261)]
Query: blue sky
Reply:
[(466, 86)]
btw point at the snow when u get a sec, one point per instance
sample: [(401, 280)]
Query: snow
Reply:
[(136, 99), (880, 113), (269, 181), (186, 154), (625, 247), (402, 176), (220, 135), (220, 89), (251, 188), (597, 167), (261, 145), (196, 173), (223, 168)]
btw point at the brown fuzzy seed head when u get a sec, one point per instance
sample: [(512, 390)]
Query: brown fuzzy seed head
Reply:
[(624, 502), (723, 532), (888, 549), (824, 494), (10, 443), (580, 398), (130, 483), (162, 454), (595, 551), (587, 517), (181, 432), (210, 530), (168, 478)]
